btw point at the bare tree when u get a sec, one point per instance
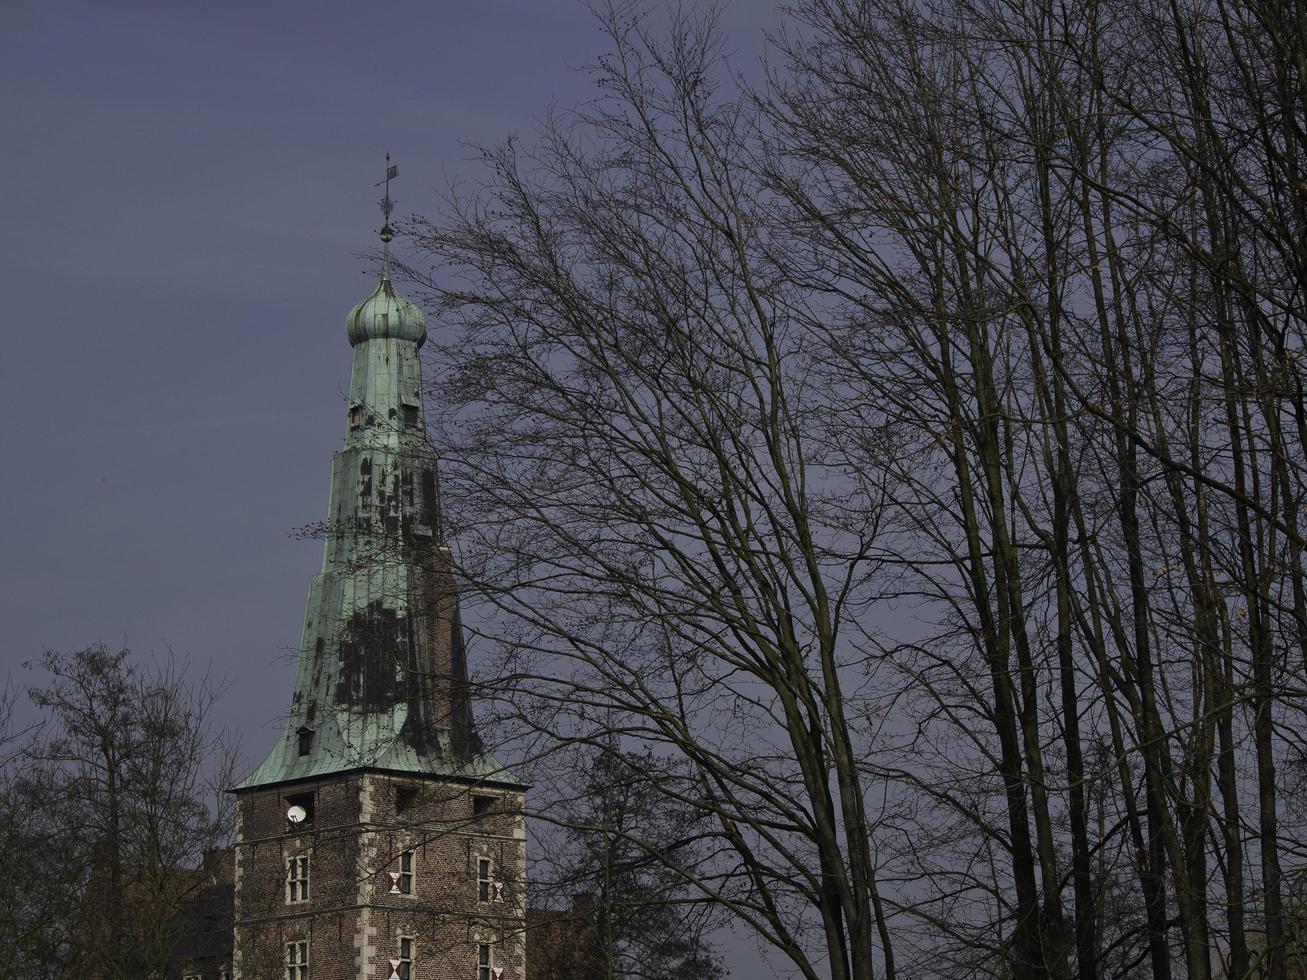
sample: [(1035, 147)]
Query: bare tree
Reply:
[(614, 862), (1058, 272), (985, 309), (116, 796), (633, 479)]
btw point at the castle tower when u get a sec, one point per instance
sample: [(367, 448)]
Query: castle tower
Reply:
[(379, 838)]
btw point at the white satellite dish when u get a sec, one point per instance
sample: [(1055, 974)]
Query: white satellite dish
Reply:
[(297, 814)]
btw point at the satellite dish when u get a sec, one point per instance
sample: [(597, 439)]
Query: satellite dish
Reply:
[(297, 814)]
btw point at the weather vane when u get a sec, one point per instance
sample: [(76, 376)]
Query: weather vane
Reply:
[(387, 206)]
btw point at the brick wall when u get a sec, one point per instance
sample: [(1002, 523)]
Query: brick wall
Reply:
[(362, 823)]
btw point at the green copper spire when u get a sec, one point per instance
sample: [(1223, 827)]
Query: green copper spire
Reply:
[(382, 679)]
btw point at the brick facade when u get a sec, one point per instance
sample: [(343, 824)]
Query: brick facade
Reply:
[(361, 823)]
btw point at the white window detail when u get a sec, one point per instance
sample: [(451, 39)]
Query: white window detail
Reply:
[(401, 881), (297, 960), (401, 968), (297, 878)]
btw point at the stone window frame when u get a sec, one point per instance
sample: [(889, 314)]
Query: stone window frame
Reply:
[(298, 870), (485, 960), (408, 862), (297, 959), (406, 957), (485, 878)]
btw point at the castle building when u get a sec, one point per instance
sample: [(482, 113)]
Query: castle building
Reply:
[(379, 838)]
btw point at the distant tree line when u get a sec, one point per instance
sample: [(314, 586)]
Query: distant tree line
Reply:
[(905, 453), (109, 801)]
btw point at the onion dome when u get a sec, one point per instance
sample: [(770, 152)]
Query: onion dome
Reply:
[(385, 314)]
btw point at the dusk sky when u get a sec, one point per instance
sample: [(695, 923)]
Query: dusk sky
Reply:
[(189, 191), (189, 194)]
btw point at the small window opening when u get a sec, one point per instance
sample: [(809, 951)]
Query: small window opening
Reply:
[(297, 878), (355, 416), (405, 965), (406, 863), (485, 962), (481, 805), (297, 960), (305, 740), (485, 884), (304, 801), (404, 797), (411, 416)]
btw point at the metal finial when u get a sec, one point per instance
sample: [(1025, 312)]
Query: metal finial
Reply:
[(387, 206)]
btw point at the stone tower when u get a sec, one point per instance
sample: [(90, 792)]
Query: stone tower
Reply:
[(379, 838)]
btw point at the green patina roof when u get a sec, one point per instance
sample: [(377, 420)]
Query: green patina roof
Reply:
[(382, 675), (333, 755), (385, 314)]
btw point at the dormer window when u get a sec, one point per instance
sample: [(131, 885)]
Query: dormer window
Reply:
[(305, 740), (356, 416)]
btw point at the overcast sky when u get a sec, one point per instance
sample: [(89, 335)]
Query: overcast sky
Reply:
[(188, 189)]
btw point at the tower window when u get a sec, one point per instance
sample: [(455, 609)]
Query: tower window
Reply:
[(405, 883), (304, 801), (404, 962), (481, 805), (305, 741), (356, 416), (404, 797), (485, 884), (411, 416), (297, 960), (485, 962), (297, 878)]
